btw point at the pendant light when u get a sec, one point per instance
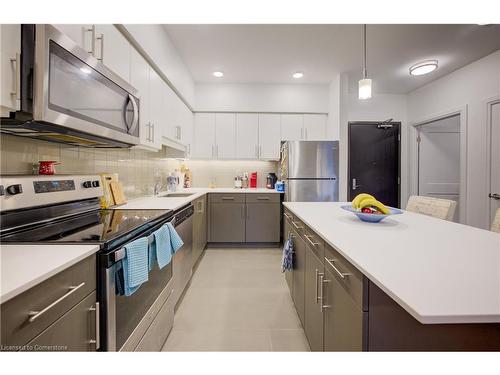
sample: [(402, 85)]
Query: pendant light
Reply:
[(365, 84)]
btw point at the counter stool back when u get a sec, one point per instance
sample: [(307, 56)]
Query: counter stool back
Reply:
[(435, 207), (495, 226)]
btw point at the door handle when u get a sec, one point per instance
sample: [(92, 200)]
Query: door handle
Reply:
[(494, 196), (34, 315), (354, 184), (97, 340)]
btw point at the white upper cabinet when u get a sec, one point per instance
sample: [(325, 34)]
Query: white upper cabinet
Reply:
[(10, 60), (292, 127), (247, 135), (80, 34), (113, 50), (225, 135), (139, 78), (204, 136), (314, 127), (269, 136), (158, 111), (187, 130)]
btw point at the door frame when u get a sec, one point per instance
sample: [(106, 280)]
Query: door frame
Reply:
[(489, 103), (398, 123), (414, 157)]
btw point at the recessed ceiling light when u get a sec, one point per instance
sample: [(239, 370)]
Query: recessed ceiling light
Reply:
[(298, 75), (86, 70), (423, 67), (218, 74)]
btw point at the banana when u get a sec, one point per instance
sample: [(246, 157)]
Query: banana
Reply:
[(358, 198), (375, 203)]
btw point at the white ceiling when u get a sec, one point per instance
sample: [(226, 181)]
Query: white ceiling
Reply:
[(272, 53)]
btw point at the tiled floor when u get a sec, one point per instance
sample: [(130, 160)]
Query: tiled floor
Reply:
[(238, 301)]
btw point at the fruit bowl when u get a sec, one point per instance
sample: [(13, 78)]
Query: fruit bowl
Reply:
[(371, 218)]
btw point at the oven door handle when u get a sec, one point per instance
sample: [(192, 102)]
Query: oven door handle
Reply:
[(120, 253)]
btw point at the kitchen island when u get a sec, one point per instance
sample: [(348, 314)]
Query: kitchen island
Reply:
[(428, 284)]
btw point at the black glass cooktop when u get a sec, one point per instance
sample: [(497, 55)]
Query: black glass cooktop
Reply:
[(100, 226)]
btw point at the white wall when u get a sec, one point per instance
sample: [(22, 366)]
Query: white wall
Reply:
[(333, 124), (380, 107), (156, 42), (261, 97), (470, 86)]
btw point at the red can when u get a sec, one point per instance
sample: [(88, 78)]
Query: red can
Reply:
[(47, 167), (253, 180)]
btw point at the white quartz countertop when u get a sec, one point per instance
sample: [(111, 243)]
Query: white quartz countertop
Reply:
[(160, 202), (24, 266), (438, 271)]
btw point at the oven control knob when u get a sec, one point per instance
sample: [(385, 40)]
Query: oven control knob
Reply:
[(14, 189), (2, 190), (95, 183), (87, 184)]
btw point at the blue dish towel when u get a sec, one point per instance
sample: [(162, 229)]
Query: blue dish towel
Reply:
[(160, 249), (287, 259), (135, 265), (175, 240)]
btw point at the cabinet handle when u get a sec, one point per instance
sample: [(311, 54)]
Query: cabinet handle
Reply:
[(16, 90), (287, 216), (260, 151), (343, 275), (317, 277), (322, 281), (262, 198), (91, 29), (295, 225), (256, 151), (306, 134), (34, 315), (97, 340), (153, 135), (227, 198), (101, 38), (217, 151), (308, 238), (189, 149), (301, 133), (242, 212)]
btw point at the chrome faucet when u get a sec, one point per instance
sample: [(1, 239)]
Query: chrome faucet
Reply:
[(158, 187)]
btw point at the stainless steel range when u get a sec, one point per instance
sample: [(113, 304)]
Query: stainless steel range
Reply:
[(65, 209)]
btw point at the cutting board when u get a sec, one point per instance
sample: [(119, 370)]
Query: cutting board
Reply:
[(117, 192), (107, 199)]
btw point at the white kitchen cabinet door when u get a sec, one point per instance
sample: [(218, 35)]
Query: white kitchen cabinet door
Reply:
[(225, 135), (158, 111), (292, 127), (187, 130), (10, 59), (172, 119), (204, 136), (79, 33), (247, 135), (269, 136), (139, 78), (113, 50), (314, 127)]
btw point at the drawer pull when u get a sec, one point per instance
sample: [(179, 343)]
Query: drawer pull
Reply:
[(295, 225), (318, 274), (34, 315), (322, 306), (97, 340), (308, 238), (287, 216), (262, 198), (227, 198), (341, 274)]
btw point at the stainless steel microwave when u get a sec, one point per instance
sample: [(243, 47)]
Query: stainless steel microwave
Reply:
[(69, 96)]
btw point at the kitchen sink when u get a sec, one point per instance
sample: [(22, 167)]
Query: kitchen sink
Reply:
[(176, 195)]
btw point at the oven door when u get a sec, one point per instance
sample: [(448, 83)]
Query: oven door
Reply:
[(75, 90), (126, 319)]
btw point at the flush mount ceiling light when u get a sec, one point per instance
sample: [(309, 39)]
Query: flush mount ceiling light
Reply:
[(218, 74), (298, 75), (423, 67), (365, 84)]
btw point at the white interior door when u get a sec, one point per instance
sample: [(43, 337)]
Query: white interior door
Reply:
[(247, 134), (225, 135), (439, 159), (494, 159), (269, 136)]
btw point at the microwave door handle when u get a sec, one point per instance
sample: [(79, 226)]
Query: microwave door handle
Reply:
[(135, 118)]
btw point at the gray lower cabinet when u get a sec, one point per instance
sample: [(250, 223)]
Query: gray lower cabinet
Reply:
[(199, 227), (262, 222), (313, 309), (298, 290), (343, 319), (74, 331), (227, 222)]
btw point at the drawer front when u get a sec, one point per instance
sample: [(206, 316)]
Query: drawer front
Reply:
[(347, 275), (74, 331), (226, 198), (50, 299), (315, 243), (263, 198)]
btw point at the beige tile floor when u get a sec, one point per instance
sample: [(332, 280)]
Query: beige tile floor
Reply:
[(238, 300)]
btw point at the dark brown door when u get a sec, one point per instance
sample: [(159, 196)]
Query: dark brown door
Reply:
[(374, 161)]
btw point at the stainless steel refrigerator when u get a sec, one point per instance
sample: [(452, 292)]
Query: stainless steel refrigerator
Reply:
[(309, 170)]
